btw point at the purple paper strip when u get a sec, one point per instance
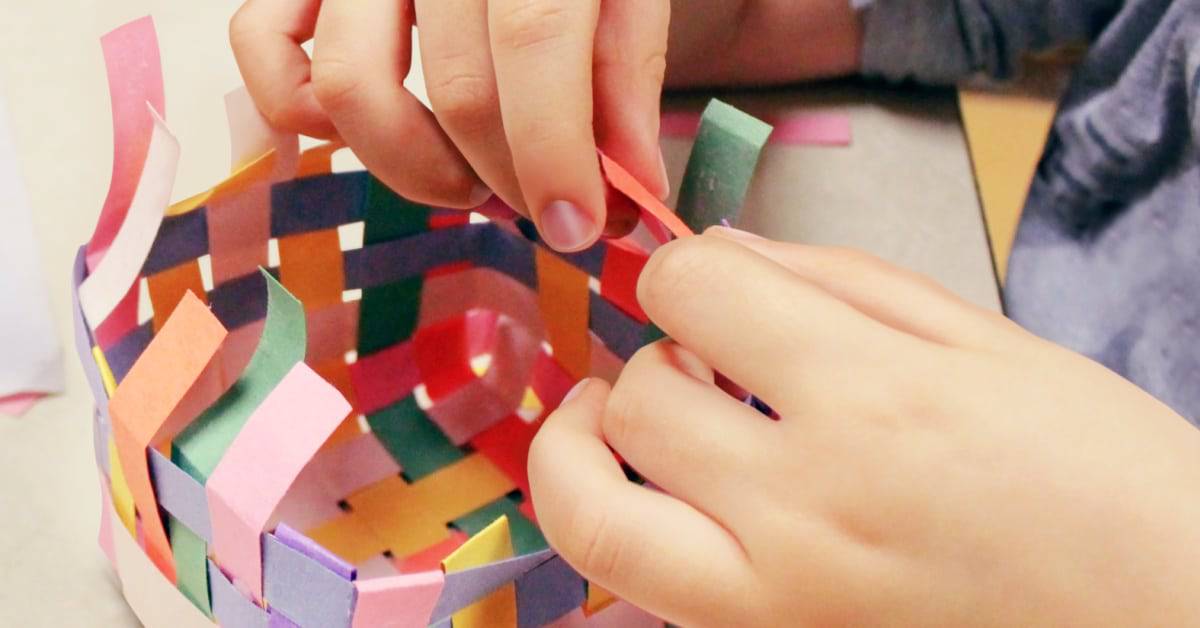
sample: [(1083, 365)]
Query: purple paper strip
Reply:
[(100, 432), (388, 262), (181, 495), (590, 261), (304, 589), (620, 333), (507, 253), (230, 607), (83, 340), (241, 301), (279, 620), (122, 355), (292, 538), (464, 588), (180, 239), (316, 203), (548, 592)]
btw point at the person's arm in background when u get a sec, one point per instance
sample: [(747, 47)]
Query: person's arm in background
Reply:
[(756, 42)]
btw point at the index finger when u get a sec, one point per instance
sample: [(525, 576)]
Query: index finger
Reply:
[(764, 326), (542, 51), (266, 37)]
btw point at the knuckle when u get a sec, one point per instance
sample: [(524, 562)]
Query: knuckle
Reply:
[(337, 85), (465, 101), (651, 66), (532, 24), (594, 544), (241, 27)]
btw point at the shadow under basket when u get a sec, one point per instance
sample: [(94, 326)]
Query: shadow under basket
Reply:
[(315, 399)]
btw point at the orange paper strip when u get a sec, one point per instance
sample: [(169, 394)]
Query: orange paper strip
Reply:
[(149, 405), (310, 267), (168, 287), (563, 294)]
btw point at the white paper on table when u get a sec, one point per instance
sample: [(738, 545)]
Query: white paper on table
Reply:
[(30, 353)]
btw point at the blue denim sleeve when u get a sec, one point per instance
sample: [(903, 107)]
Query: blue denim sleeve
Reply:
[(944, 41)]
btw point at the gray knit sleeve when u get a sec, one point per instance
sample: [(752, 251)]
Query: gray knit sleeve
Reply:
[(944, 41)]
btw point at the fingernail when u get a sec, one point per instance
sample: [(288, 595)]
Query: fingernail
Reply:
[(736, 234), (480, 194), (663, 176), (567, 227), (575, 390)]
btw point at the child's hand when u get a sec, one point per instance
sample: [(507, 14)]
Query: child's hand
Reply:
[(935, 464), (523, 91)]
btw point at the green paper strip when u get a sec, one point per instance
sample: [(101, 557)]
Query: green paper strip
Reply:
[(526, 537), (388, 216), (283, 343), (389, 314), (415, 442), (721, 166), (191, 564)]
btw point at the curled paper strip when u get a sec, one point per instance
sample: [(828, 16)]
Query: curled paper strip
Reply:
[(134, 83)]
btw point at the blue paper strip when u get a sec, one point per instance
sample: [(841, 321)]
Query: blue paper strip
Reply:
[(389, 262), (620, 333), (180, 239), (241, 301), (122, 355), (507, 253), (316, 203)]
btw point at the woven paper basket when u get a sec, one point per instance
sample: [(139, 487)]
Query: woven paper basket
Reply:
[(314, 399)]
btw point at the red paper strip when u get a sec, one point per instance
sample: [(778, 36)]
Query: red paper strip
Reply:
[(626, 184), (619, 277), (384, 378)]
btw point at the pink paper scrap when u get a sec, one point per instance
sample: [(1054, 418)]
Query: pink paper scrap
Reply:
[(795, 129)]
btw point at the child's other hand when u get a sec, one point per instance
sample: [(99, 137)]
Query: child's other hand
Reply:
[(934, 465), (523, 91)]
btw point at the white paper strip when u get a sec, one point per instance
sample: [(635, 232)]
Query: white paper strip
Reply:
[(110, 282), (30, 354)]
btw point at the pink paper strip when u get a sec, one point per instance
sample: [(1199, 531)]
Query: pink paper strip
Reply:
[(397, 601), (282, 435), (134, 80), (18, 404), (333, 474), (105, 535), (679, 124), (796, 129), (813, 129)]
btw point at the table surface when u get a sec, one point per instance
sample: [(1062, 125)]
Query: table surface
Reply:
[(904, 190)]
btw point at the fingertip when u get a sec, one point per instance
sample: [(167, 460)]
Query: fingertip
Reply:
[(568, 227)]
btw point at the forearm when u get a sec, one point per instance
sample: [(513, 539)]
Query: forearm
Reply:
[(761, 42)]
